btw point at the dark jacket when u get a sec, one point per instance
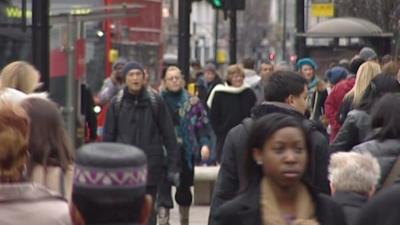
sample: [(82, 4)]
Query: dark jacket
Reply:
[(351, 204), (382, 209), (87, 105), (345, 107), (232, 178), (245, 209), (135, 123), (386, 153), (354, 131)]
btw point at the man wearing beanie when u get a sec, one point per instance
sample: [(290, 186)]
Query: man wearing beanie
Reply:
[(112, 84), (139, 117), (110, 190)]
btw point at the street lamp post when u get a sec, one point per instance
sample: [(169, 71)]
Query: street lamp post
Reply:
[(284, 32), (233, 36), (40, 38), (184, 37)]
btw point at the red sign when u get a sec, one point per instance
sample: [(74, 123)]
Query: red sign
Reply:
[(59, 61)]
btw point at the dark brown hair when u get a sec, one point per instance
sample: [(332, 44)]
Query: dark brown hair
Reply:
[(48, 142)]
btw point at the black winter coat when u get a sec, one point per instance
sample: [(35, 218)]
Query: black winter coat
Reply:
[(382, 209), (232, 174), (245, 209), (386, 153), (351, 203), (355, 130), (229, 109), (136, 123)]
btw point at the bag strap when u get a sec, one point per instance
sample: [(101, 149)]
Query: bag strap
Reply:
[(393, 174), (155, 108)]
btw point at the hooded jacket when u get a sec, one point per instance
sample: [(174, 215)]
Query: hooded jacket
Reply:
[(232, 178)]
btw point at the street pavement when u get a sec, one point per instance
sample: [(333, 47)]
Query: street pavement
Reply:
[(198, 215)]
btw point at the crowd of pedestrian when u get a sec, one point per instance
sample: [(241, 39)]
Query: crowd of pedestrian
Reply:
[(293, 147)]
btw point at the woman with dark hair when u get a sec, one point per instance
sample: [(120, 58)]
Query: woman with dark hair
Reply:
[(385, 142), (50, 148), (277, 193), (357, 125)]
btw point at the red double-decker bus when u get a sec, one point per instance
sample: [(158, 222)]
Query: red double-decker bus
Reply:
[(138, 37)]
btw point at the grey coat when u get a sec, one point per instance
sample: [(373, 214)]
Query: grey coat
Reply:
[(27, 203), (386, 152)]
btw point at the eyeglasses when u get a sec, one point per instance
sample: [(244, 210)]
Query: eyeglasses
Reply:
[(173, 78)]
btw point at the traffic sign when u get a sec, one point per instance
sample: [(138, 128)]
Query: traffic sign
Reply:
[(323, 9)]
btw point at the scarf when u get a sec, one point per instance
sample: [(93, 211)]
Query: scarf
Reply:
[(225, 88), (188, 116), (272, 215)]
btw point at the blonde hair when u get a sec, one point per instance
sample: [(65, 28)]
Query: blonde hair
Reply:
[(19, 75), (365, 74), (14, 137), (232, 69), (353, 171), (173, 69)]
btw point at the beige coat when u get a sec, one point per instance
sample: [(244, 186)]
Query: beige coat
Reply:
[(27, 203)]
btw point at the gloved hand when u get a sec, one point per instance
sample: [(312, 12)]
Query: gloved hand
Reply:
[(173, 178)]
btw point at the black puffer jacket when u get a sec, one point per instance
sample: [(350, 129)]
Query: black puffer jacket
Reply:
[(133, 121), (386, 152), (232, 178), (355, 130)]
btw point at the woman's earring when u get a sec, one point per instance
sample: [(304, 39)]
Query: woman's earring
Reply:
[(259, 162)]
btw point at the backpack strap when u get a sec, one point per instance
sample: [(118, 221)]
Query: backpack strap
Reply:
[(118, 103), (155, 108), (393, 174), (154, 102)]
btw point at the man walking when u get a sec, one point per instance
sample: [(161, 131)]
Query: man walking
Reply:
[(140, 117)]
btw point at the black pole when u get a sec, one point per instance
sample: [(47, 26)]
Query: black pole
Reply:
[(23, 15), (40, 39), (284, 32), (216, 36), (184, 38), (233, 38), (300, 41)]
